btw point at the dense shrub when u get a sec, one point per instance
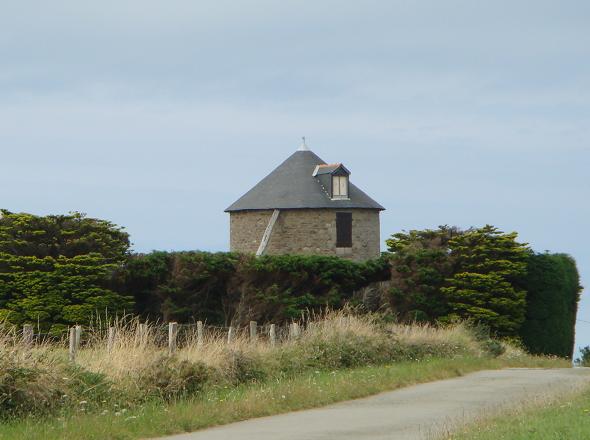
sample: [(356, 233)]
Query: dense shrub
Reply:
[(225, 288), (43, 384), (553, 290), (168, 378)]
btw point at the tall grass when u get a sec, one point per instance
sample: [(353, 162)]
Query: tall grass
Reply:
[(40, 380)]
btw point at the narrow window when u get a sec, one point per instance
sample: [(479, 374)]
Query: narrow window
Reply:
[(343, 229), (340, 187)]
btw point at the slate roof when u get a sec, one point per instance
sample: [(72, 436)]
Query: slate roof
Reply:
[(292, 186)]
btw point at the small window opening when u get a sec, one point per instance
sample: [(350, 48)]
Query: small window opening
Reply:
[(344, 229), (340, 187)]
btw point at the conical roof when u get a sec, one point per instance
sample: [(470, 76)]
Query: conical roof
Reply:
[(292, 186)]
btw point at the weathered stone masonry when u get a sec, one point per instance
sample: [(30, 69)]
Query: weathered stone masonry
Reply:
[(306, 231)]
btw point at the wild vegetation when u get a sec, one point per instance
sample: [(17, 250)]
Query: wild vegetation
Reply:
[(562, 417), (138, 375), (423, 311), (225, 288), (486, 276), (57, 271)]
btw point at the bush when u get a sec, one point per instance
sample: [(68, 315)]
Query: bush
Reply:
[(553, 291), (241, 367), (224, 288), (168, 378), (27, 389)]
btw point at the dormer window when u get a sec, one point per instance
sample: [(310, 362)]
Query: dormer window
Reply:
[(339, 187), (334, 180)]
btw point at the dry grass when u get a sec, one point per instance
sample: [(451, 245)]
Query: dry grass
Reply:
[(138, 368), (131, 354)]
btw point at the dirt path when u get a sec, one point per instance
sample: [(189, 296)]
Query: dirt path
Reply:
[(409, 413)]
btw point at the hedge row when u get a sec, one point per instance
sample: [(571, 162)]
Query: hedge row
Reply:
[(553, 291), (224, 288)]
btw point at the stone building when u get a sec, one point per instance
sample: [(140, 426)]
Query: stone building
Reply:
[(306, 206)]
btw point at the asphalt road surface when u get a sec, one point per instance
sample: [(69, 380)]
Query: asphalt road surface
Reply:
[(409, 413)]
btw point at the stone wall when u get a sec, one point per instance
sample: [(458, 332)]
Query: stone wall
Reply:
[(306, 231)]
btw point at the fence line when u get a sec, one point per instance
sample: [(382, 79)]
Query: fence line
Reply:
[(192, 334)]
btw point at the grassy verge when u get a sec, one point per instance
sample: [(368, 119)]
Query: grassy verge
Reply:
[(219, 405), (136, 389), (567, 418)]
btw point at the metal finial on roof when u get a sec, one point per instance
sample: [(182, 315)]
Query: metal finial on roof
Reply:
[(303, 146)]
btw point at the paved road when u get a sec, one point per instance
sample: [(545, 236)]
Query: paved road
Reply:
[(408, 414)]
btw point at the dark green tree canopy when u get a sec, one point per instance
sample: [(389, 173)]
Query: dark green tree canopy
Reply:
[(447, 274), (420, 264), (56, 270), (553, 290), (486, 265), (61, 235), (225, 288)]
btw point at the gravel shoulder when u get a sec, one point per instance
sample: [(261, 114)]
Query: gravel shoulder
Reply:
[(410, 413)]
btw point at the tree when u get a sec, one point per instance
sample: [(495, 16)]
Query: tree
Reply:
[(447, 274), (55, 270), (420, 264), (553, 290), (584, 359), (487, 265)]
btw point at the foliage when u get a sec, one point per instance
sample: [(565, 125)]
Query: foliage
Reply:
[(55, 270), (553, 285), (487, 264), (448, 274), (420, 264), (584, 360), (225, 288), (169, 378), (132, 375)]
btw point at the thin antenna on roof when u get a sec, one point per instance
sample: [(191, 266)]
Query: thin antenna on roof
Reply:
[(303, 146)]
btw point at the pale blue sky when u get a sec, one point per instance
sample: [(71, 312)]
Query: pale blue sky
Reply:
[(157, 115)]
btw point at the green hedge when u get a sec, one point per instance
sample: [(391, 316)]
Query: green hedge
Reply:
[(229, 287), (553, 290)]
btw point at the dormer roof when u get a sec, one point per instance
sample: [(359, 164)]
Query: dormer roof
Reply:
[(334, 168), (294, 185)]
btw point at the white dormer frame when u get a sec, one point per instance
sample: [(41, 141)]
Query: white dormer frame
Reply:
[(340, 187), (335, 179)]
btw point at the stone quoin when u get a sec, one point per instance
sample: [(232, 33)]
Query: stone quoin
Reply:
[(306, 206)]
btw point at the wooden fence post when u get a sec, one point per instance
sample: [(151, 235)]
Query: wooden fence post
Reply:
[(172, 333), (111, 339), (294, 331), (273, 335), (230, 335), (142, 331), (28, 334), (253, 331), (73, 347), (199, 333), (78, 335)]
